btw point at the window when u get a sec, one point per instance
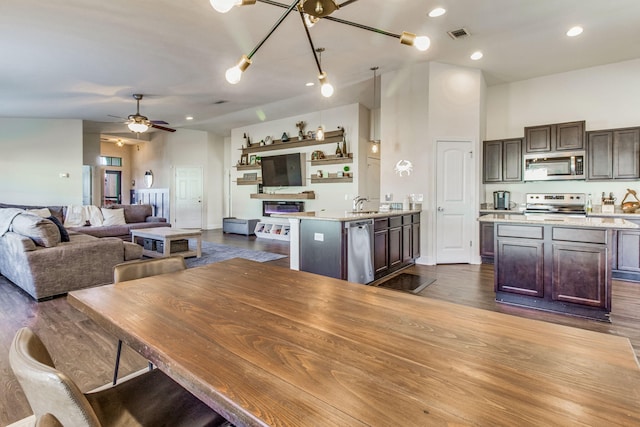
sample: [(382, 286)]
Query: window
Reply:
[(110, 161)]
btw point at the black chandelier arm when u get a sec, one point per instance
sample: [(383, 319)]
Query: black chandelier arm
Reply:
[(275, 26), (346, 3), (313, 49), (340, 21)]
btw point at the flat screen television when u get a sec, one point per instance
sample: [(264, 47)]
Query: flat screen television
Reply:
[(285, 170)]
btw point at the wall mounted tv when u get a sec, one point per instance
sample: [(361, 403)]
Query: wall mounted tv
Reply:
[(285, 170)]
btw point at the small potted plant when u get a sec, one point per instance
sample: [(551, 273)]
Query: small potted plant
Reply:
[(346, 171)]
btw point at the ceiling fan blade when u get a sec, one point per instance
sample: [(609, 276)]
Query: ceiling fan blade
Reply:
[(153, 125), (158, 122)]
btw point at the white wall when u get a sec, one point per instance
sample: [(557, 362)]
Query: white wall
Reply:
[(606, 97), (421, 105), (329, 196), (34, 154)]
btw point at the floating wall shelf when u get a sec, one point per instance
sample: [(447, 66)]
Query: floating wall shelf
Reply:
[(329, 138)]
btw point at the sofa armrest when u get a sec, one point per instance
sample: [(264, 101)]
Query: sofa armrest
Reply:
[(19, 243), (155, 219)]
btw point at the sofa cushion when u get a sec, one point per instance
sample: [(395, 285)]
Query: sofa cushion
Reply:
[(42, 231), (132, 251), (104, 231), (78, 215), (113, 217), (134, 213), (57, 211), (64, 235), (41, 212)]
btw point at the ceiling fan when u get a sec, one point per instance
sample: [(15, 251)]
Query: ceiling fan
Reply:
[(139, 123)]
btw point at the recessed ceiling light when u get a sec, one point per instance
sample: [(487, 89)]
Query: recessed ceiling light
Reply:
[(476, 55), (438, 11), (189, 118), (309, 84), (574, 31)]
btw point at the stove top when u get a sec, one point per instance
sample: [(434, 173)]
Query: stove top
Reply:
[(556, 203)]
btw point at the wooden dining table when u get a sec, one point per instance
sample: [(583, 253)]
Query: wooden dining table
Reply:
[(267, 346)]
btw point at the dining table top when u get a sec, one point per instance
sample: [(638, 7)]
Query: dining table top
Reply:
[(267, 346)]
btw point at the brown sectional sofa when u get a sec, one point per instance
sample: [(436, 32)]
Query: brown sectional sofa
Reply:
[(35, 259)]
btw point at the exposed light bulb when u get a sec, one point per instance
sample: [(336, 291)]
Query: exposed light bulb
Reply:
[(326, 89), (438, 11), (422, 43), (320, 134), (223, 6), (234, 74), (309, 20)]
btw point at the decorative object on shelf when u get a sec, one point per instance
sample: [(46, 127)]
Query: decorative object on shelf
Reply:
[(344, 142), (244, 159), (340, 174), (631, 206), (285, 137), (310, 11), (252, 159), (250, 176), (338, 151), (403, 166), (346, 170), (310, 135), (300, 125), (317, 155), (319, 173), (268, 140), (246, 140), (320, 134), (148, 178)]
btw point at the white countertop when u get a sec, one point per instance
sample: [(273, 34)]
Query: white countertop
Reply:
[(343, 215), (589, 222)]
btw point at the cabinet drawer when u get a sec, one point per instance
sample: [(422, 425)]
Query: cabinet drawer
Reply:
[(524, 231), (395, 221), (415, 218), (579, 235), (380, 224), (406, 219)]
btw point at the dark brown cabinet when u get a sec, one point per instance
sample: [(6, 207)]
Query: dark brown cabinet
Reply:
[(627, 257), (613, 154), (502, 160), (396, 243), (554, 137), (556, 268), (486, 242)]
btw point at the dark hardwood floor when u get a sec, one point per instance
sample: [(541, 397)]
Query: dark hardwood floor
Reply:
[(86, 353)]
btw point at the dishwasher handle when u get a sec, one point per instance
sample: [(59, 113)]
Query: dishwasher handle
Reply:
[(359, 223)]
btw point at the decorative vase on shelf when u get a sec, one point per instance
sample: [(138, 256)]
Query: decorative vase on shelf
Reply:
[(344, 146), (338, 151)]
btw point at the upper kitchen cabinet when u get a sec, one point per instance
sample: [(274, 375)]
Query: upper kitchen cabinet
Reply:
[(555, 137), (613, 154), (502, 160)]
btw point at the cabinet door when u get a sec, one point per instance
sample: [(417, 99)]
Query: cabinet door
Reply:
[(569, 136), (626, 153), (599, 151), (406, 244), (486, 239), (381, 252), (492, 161), (519, 264), (629, 250), (538, 138), (395, 247), (415, 240), (580, 274), (512, 160)]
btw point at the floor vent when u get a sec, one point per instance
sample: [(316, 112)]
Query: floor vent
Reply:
[(459, 33)]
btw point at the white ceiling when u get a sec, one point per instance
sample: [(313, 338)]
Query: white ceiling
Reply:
[(83, 59)]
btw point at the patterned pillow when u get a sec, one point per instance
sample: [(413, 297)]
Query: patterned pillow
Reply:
[(41, 230)]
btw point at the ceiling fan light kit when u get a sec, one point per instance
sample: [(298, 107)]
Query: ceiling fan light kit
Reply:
[(311, 11), (139, 124)]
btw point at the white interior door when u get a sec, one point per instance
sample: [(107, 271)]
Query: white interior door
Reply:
[(188, 200), (455, 210)]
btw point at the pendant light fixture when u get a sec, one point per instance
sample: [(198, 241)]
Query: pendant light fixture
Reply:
[(374, 141), (311, 11)]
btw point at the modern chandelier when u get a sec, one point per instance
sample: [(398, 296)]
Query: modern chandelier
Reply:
[(311, 11)]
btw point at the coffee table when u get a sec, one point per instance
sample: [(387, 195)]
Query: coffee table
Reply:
[(167, 235)]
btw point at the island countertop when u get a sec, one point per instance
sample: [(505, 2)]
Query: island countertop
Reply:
[(344, 215), (588, 222)]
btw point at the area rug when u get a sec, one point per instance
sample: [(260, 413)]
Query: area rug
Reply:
[(408, 283), (215, 252)]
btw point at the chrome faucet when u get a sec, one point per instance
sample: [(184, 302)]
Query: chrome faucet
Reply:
[(358, 203)]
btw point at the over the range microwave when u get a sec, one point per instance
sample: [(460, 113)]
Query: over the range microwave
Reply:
[(554, 166)]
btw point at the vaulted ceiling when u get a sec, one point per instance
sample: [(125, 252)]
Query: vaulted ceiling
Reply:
[(84, 59)]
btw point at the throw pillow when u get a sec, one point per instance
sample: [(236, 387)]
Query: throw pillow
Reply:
[(75, 216), (64, 235), (41, 230), (42, 213), (113, 217)]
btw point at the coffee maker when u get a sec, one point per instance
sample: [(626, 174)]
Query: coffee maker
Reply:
[(501, 200)]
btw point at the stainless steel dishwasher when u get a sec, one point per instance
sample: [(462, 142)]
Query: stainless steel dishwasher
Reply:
[(359, 250)]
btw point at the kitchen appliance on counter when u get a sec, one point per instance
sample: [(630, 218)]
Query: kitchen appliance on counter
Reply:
[(556, 203), (501, 200), (554, 166)]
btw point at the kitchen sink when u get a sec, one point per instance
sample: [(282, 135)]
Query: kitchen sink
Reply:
[(364, 212)]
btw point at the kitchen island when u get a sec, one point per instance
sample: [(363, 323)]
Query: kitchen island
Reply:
[(555, 263), (355, 246)]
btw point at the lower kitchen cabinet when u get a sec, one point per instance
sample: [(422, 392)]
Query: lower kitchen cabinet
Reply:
[(396, 243), (381, 247), (555, 268), (627, 262), (486, 242)]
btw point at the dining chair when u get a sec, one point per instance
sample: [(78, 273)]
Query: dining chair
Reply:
[(138, 270), (47, 420), (149, 399)]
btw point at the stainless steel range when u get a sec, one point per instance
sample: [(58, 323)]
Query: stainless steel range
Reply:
[(556, 203)]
